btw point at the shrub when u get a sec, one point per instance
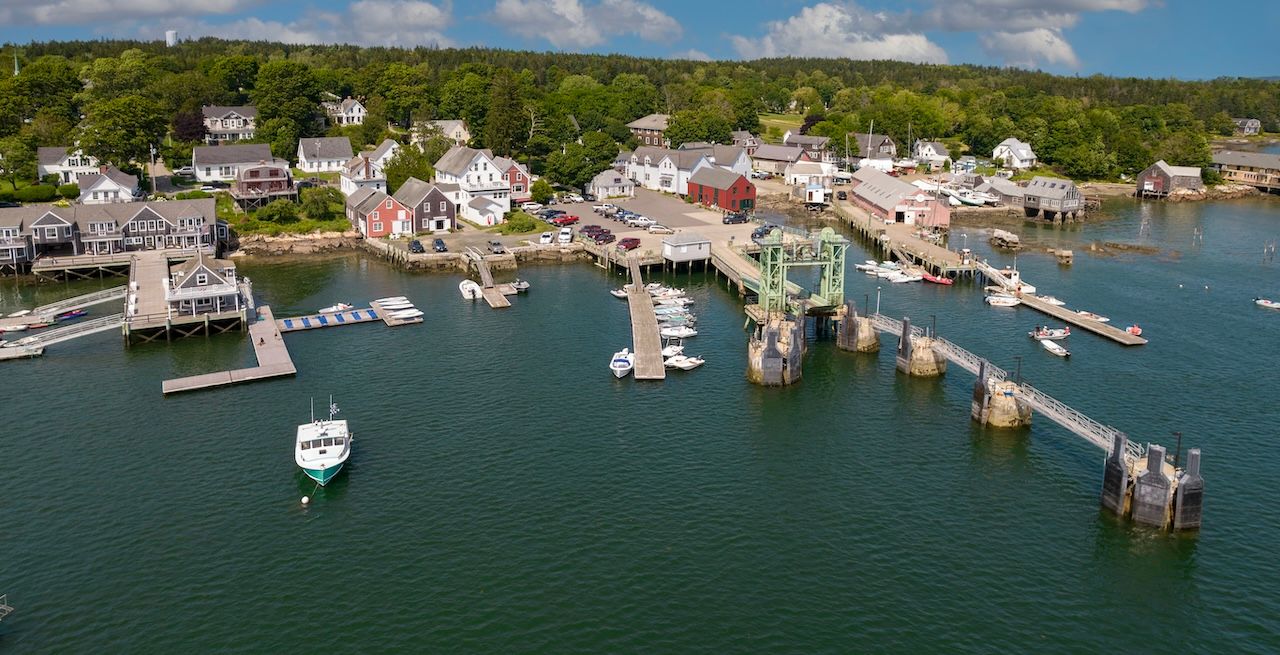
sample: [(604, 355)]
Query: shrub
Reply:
[(69, 191), (7, 195), (278, 211), (541, 192), (322, 203), (38, 193), (520, 223), (193, 195), (51, 179)]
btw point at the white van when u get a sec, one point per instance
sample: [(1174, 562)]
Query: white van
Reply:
[(566, 235)]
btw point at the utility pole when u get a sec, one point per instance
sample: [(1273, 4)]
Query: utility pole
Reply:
[(153, 170)]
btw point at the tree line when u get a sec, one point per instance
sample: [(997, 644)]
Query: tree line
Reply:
[(566, 113)]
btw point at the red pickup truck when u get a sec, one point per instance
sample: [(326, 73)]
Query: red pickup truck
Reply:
[(562, 221)]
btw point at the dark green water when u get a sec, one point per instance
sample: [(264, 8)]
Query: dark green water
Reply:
[(508, 495)]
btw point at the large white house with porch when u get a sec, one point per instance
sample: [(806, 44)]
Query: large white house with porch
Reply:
[(67, 163), (203, 285), (482, 196)]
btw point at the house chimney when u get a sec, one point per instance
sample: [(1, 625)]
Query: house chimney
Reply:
[(102, 168), (368, 168)]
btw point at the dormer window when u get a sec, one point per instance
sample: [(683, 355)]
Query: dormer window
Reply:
[(202, 279)]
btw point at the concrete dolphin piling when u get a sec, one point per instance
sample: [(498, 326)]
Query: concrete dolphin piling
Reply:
[(856, 332), (998, 403), (916, 355)]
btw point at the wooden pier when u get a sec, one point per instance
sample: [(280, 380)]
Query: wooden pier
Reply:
[(646, 341), (268, 346), (901, 240), (1069, 316)]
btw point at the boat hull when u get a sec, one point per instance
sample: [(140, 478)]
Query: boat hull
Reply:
[(325, 475)]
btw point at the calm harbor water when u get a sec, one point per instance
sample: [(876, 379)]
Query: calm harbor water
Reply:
[(506, 494)]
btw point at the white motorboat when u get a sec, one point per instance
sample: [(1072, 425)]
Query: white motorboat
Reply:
[(677, 301), (25, 341), (406, 313), (1046, 332), (618, 293), (396, 306), (1002, 300), (335, 308), (1269, 304), (890, 265), (904, 276), (470, 290), (15, 328), (868, 266), (954, 201), (965, 196), (683, 363), (669, 309), (622, 363), (1052, 301), (1093, 317), (390, 299), (1054, 348), (672, 349), (520, 286), (678, 332), (20, 314), (322, 447)]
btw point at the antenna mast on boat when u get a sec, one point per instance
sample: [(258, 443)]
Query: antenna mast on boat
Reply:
[(313, 410)]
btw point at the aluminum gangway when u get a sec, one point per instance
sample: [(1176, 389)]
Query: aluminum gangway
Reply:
[(51, 310), (477, 256), (1096, 433), (994, 274), (76, 330), (5, 608)]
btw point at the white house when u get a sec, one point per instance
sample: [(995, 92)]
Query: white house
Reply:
[(229, 124), (730, 158), (384, 152), (611, 184), (361, 172), (932, 154), (1014, 154), (454, 130), (323, 154), (64, 162), (686, 247), (223, 163), (345, 112), (108, 185), (482, 197), (805, 173), (660, 169), (203, 286)]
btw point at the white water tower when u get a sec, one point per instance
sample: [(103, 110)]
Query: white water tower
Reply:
[(171, 38)]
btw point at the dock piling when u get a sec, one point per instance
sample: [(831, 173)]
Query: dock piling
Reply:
[(1189, 500), (1115, 477), (1152, 491)]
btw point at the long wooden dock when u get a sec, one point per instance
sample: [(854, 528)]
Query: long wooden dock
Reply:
[(268, 346), (646, 342), (1069, 316)]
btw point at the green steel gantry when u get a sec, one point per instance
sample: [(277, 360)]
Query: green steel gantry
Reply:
[(826, 250)]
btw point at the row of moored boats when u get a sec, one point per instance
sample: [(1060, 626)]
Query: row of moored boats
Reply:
[(897, 273), (676, 322)]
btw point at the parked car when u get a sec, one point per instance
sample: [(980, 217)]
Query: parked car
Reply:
[(546, 239), (731, 219), (496, 248), (604, 237), (571, 197), (566, 235), (660, 229), (590, 228), (561, 221), (842, 195), (186, 171), (640, 221), (629, 243), (762, 231), (530, 206), (437, 245), (587, 197), (208, 188), (600, 209), (416, 248), (6, 204)]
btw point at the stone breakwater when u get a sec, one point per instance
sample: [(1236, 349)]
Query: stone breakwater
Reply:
[(298, 244), (457, 262)]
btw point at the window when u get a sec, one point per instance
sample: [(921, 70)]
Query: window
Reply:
[(202, 279), (375, 215), (66, 231), (388, 203), (442, 206), (377, 227)]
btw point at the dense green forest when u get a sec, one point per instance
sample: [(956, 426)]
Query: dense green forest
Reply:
[(566, 113)]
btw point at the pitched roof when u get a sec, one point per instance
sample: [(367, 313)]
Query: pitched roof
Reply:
[(1049, 187), (722, 155), (1244, 122), (683, 159), (121, 178), (937, 146), (505, 164), (370, 202), (1251, 159), (327, 147), (218, 111), (47, 155), (354, 168), (359, 196), (651, 122), (457, 159), (1018, 148), (383, 148), (1003, 186), (695, 145), (778, 153), (806, 140), (347, 104), (743, 135), (215, 267), (869, 141), (807, 168), (239, 153), (880, 189), (120, 212), (448, 125), (413, 192), (484, 202), (610, 177), (715, 177), (1177, 171)]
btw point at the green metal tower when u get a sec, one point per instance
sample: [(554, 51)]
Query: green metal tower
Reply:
[(827, 251)]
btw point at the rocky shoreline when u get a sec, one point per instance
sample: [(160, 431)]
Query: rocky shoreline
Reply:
[(297, 244)]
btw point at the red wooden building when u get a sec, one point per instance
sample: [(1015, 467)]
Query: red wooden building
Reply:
[(376, 214), (516, 177), (718, 187)]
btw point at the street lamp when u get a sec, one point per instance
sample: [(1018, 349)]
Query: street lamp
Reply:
[(877, 300)]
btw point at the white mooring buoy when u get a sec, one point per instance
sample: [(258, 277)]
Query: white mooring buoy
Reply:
[(306, 499)]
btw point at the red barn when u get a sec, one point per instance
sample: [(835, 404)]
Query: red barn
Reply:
[(516, 177), (376, 214), (719, 187)]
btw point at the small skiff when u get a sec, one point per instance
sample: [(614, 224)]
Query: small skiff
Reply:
[(1269, 304), (335, 308), (1093, 317), (1052, 334), (1052, 301), (1054, 348), (470, 290)]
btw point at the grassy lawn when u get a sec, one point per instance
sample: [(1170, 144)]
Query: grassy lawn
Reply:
[(245, 224), (5, 185), (519, 222), (779, 123), (327, 176)]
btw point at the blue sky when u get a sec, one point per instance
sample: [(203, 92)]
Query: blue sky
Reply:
[(1146, 38)]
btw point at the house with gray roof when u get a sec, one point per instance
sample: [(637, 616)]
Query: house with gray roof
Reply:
[(432, 204), (775, 159), (722, 188), (229, 124), (611, 184), (323, 154), (204, 285), (1052, 197), (932, 155), (650, 130), (1012, 153), (746, 140), (733, 158), (109, 184), (1160, 179), (663, 169), (873, 146), (64, 161), (1006, 190), (1257, 169), (224, 163), (347, 111), (1247, 126), (477, 177), (893, 201), (817, 147), (31, 231), (455, 130)]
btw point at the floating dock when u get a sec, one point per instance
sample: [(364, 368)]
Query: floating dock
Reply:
[(268, 346), (1069, 316), (646, 342), (374, 312), (494, 294)]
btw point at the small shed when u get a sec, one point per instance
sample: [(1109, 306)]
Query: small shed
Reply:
[(611, 184), (686, 247), (1160, 179)]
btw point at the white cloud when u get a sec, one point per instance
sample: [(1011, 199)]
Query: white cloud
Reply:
[(573, 24), (1014, 15), (1028, 48), (839, 30), (404, 23), (92, 12), (692, 53)]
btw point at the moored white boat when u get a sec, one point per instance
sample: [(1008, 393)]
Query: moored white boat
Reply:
[(673, 348), (390, 299), (1002, 300), (20, 314), (396, 306), (622, 363), (1269, 304), (15, 328), (1045, 332), (683, 362), (335, 308), (618, 293), (406, 313), (1093, 317), (677, 332), (322, 447), (470, 290), (1052, 301), (1054, 348), (520, 285), (25, 341)]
